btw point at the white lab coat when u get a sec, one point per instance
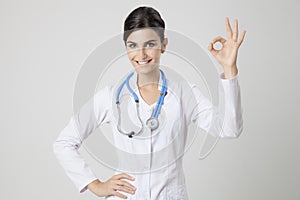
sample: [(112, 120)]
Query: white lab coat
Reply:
[(159, 153)]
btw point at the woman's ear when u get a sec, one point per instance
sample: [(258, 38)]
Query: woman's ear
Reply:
[(164, 45)]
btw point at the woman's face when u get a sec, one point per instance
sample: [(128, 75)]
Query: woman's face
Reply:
[(144, 49)]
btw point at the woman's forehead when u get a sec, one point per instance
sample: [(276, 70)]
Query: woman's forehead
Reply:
[(142, 35)]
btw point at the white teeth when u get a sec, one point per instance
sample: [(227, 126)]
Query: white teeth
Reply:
[(142, 63)]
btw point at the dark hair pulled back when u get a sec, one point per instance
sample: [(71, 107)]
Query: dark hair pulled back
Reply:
[(144, 17)]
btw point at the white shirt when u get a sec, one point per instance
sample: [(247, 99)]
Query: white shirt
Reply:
[(159, 153)]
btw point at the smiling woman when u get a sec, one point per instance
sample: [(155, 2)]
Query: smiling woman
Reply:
[(145, 43), (144, 54)]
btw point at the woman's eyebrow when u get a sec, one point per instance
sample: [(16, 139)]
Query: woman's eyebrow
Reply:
[(144, 42)]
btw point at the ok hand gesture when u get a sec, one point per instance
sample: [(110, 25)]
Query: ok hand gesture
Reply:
[(227, 56)]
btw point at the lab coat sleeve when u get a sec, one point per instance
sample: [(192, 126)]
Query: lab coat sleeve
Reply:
[(224, 121), (92, 114)]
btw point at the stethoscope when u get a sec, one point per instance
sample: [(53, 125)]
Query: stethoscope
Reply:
[(152, 122)]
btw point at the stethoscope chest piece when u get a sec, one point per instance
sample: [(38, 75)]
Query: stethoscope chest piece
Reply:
[(152, 123)]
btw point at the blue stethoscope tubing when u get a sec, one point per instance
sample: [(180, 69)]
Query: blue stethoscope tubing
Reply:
[(152, 122)]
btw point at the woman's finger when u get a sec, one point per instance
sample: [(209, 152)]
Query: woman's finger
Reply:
[(210, 46), (218, 39), (242, 37), (211, 49), (124, 189), (123, 175), (228, 27), (125, 183), (236, 31)]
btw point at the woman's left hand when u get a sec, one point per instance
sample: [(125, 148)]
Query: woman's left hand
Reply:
[(227, 56)]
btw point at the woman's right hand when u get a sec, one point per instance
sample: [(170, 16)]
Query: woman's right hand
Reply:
[(112, 185)]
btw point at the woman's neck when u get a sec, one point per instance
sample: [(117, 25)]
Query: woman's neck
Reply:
[(149, 80)]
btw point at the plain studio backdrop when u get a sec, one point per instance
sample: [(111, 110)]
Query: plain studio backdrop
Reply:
[(43, 45)]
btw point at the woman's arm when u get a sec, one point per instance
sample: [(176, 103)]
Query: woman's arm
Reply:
[(225, 120), (80, 126), (94, 113)]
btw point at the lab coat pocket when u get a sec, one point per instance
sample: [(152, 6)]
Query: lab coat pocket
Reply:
[(177, 192)]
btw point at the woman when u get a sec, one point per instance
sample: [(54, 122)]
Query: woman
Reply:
[(145, 44)]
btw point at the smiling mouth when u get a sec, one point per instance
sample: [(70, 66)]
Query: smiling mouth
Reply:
[(143, 62)]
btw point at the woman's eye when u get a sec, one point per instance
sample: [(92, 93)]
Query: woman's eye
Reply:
[(151, 44), (147, 45)]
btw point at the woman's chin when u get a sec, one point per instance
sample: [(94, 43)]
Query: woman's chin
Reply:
[(145, 69)]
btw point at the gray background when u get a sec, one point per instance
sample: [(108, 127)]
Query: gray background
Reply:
[(44, 43)]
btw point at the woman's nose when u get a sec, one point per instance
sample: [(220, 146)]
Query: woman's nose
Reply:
[(141, 53)]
